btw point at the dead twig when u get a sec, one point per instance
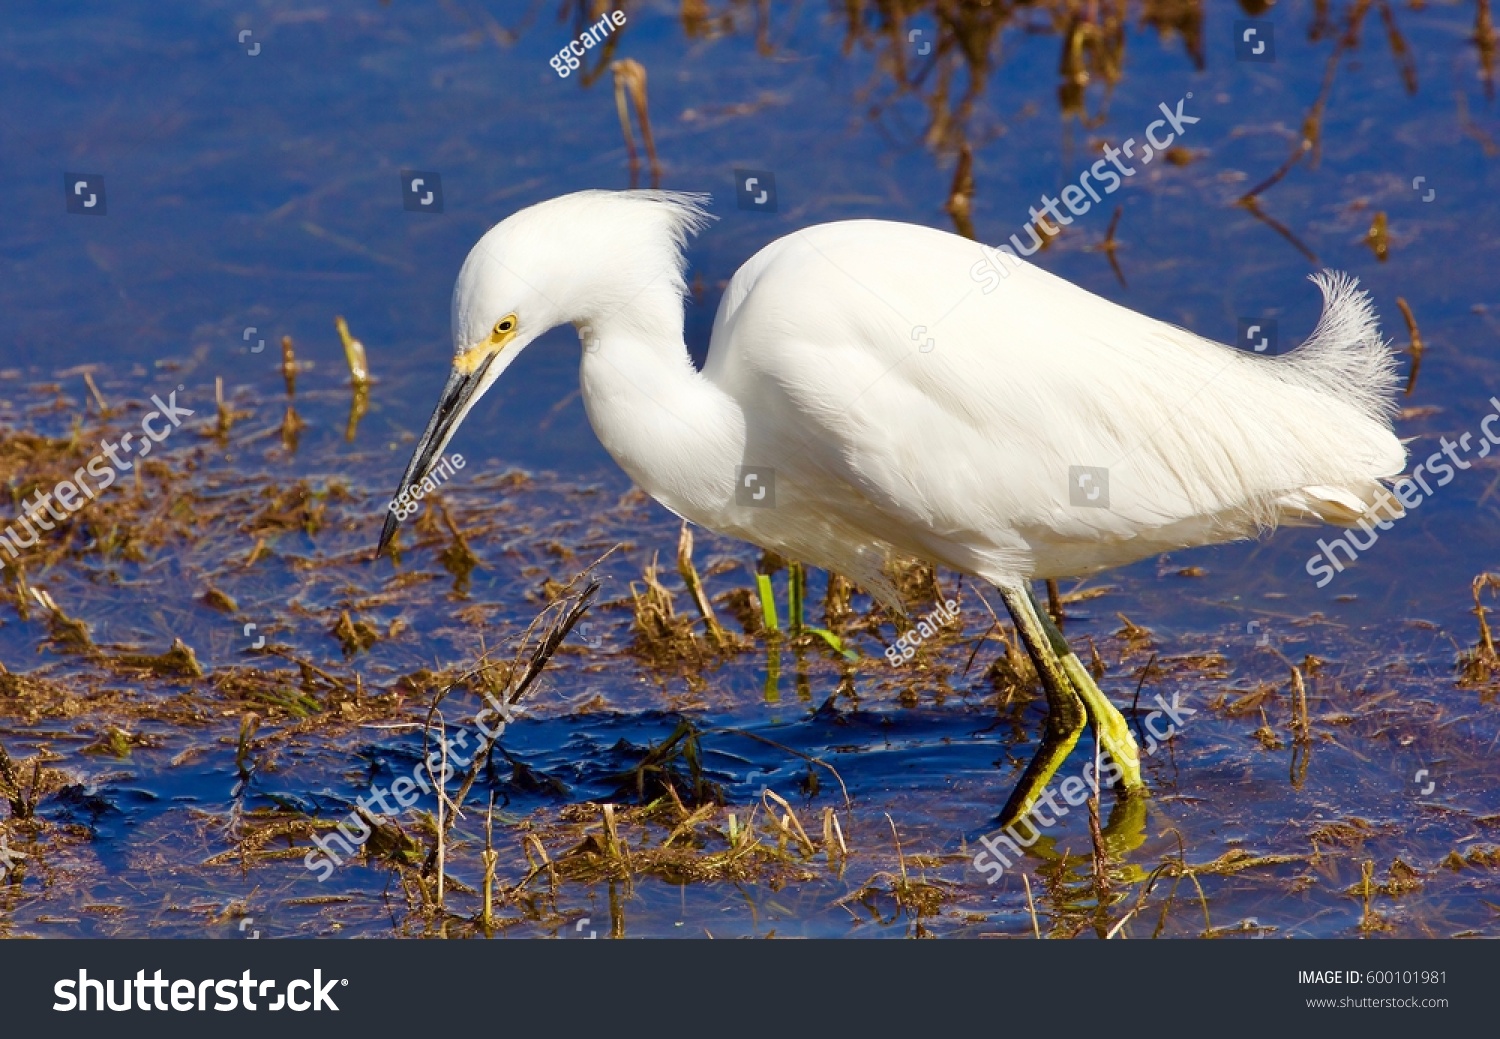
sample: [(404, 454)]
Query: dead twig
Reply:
[(630, 78), (1416, 349)]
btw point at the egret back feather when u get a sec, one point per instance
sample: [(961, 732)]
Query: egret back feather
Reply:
[(962, 452)]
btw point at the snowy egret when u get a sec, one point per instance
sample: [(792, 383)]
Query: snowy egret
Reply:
[(866, 399)]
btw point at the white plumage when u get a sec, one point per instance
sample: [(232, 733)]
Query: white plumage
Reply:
[(958, 453), (961, 454), (906, 411)]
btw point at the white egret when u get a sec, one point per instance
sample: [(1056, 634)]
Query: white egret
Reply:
[(881, 404)]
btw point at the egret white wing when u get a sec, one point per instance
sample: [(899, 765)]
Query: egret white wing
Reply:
[(904, 398)]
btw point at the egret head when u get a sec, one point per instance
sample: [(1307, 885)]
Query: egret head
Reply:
[(579, 258)]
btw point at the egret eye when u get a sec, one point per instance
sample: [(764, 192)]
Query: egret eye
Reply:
[(505, 325)]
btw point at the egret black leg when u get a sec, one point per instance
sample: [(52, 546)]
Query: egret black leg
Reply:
[(1114, 732), (1066, 716)]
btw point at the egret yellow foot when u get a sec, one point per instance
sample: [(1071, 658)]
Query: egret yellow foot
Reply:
[(1114, 732), (1072, 698)]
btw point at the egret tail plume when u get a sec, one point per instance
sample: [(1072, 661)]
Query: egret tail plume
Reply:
[(1347, 358), (1346, 355)]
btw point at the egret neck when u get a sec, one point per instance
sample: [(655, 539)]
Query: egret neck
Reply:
[(677, 434)]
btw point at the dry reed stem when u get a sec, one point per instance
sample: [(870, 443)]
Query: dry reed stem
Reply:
[(1417, 348), (289, 366), (354, 354), (630, 77), (1301, 726), (1036, 927), (98, 397), (789, 822), (490, 859), (694, 584)]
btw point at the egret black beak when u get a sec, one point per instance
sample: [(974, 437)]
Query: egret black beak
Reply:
[(454, 404)]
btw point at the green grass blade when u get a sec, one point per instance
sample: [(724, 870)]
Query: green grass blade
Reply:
[(834, 642), (796, 589), (767, 602)]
